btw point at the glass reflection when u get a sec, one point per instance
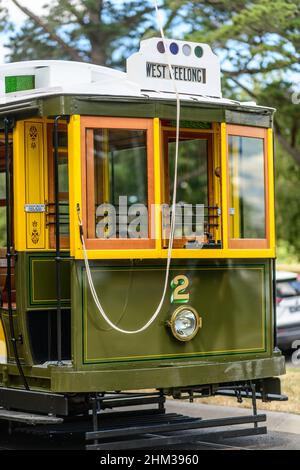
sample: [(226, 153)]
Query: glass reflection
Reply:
[(247, 187)]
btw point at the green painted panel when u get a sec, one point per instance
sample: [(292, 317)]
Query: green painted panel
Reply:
[(18, 331), (249, 118), (190, 112), (233, 300), (140, 107), (169, 376), (42, 281)]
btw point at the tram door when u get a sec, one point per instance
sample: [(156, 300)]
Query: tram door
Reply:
[(3, 260), (197, 186)]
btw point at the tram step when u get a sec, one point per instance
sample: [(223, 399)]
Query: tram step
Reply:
[(28, 418)]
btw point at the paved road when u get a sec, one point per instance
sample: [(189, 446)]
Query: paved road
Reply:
[(283, 428)]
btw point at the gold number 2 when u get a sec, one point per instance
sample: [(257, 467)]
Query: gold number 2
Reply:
[(179, 285)]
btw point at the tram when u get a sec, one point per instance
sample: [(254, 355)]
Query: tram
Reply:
[(88, 173)]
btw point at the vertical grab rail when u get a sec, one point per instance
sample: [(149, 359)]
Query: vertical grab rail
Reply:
[(57, 242), (274, 304), (9, 253)]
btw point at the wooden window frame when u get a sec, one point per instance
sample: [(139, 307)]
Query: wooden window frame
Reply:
[(250, 243), (64, 239), (189, 134), (87, 165)]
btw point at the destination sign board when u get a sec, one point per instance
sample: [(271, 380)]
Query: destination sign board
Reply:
[(185, 74), (196, 69)]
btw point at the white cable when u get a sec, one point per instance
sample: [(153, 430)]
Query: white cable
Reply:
[(172, 228)]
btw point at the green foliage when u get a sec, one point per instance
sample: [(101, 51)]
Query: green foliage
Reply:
[(287, 200), (287, 254), (98, 31)]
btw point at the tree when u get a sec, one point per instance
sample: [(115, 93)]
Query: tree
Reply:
[(258, 40), (98, 31)]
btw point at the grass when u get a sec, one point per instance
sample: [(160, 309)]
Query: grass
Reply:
[(294, 268), (290, 387)]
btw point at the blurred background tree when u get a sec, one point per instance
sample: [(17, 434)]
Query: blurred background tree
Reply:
[(258, 42)]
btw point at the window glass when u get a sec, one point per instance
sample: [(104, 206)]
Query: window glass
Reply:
[(192, 184), (3, 191), (120, 179), (247, 187), (197, 217), (63, 184), (296, 286), (2, 210)]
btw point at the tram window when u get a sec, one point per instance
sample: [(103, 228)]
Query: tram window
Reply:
[(247, 176), (120, 162), (120, 158), (192, 185), (63, 183), (119, 176), (194, 190), (3, 191), (2, 209)]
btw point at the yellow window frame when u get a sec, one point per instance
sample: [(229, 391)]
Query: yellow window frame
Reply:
[(220, 156)]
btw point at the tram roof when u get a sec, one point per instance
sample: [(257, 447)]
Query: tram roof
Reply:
[(92, 83)]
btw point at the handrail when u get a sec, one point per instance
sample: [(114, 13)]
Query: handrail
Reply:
[(9, 253)]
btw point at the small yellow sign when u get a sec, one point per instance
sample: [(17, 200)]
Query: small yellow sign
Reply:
[(3, 353)]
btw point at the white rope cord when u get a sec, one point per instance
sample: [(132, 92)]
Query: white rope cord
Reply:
[(172, 228)]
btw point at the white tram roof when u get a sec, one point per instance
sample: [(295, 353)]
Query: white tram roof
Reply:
[(196, 69)]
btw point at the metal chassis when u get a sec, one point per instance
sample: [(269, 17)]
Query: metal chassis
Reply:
[(132, 428), (164, 431), (38, 402)]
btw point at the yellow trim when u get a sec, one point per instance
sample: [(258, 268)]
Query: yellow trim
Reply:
[(75, 185), (224, 189), (271, 189), (195, 354), (157, 186), (187, 129), (106, 186), (19, 186), (234, 190), (75, 195), (44, 120), (177, 254), (233, 194), (46, 181), (34, 183), (3, 350), (19, 140), (216, 179)]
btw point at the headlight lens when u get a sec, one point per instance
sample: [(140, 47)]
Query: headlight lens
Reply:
[(185, 323)]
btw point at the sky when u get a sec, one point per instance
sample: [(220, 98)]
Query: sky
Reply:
[(19, 17)]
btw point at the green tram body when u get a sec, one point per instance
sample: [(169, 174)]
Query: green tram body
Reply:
[(234, 295)]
